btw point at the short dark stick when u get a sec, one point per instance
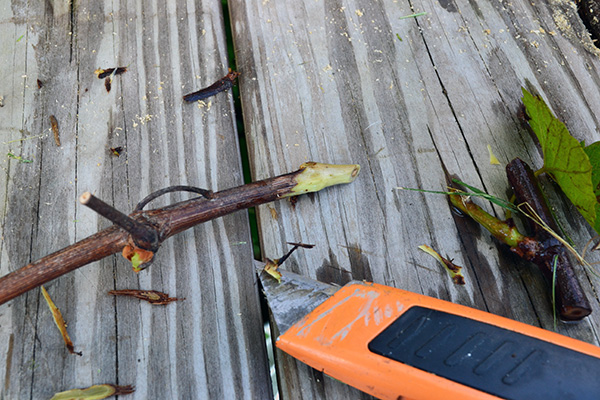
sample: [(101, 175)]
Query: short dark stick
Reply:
[(143, 235)]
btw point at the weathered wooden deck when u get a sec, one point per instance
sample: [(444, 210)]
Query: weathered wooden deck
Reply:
[(334, 81)]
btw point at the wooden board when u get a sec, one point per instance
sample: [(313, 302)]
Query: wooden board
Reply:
[(343, 81), (211, 345)]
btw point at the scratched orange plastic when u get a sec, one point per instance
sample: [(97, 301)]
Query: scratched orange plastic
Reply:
[(334, 339)]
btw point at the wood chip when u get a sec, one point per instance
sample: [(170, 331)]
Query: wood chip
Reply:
[(453, 269)]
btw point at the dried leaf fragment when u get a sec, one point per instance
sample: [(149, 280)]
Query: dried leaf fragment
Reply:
[(271, 269), (151, 296), (453, 269), (94, 392), (109, 74), (274, 211), (137, 257), (103, 73), (493, 159), (108, 83), (54, 125), (60, 322), (116, 150)]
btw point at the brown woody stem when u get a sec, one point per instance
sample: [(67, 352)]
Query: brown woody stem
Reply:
[(572, 302), (171, 220), (93, 248)]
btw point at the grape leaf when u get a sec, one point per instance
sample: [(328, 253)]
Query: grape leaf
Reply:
[(565, 159), (593, 153)]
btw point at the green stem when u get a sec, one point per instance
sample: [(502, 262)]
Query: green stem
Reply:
[(502, 230), (540, 171)]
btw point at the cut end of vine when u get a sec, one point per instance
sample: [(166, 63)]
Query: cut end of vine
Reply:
[(574, 313), (85, 198), (315, 176)]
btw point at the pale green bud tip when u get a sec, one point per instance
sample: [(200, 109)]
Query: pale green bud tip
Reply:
[(315, 176)]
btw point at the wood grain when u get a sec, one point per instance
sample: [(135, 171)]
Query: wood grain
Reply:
[(212, 344), (335, 81), (347, 81)]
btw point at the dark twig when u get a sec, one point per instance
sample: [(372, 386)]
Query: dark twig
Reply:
[(289, 253), (55, 131), (572, 302), (219, 86)]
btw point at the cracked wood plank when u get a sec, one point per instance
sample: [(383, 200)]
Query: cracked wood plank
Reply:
[(212, 344), (346, 81)]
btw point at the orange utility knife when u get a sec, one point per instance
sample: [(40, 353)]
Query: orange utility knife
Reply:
[(395, 344)]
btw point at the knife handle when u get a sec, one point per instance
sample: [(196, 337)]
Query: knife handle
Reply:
[(389, 343)]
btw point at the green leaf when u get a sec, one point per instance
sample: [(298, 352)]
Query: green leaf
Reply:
[(136, 261), (593, 153), (565, 159)]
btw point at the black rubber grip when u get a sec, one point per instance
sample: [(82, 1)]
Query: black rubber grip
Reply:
[(494, 360)]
